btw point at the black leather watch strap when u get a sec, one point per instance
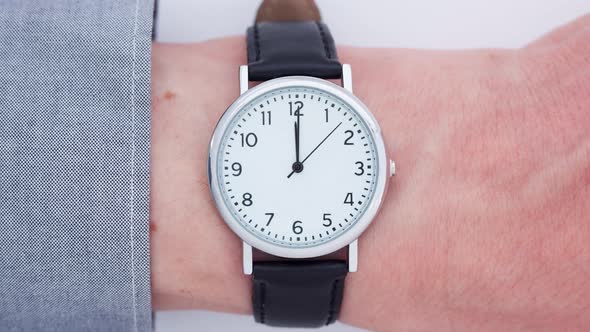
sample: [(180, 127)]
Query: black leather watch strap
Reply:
[(298, 293), (288, 39), (277, 49)]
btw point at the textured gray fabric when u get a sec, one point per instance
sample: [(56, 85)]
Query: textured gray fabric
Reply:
[(74, 165)]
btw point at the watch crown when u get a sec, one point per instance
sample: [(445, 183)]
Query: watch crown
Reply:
[(391, 167)]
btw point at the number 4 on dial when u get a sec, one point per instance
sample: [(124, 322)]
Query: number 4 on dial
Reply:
[(348, 199)]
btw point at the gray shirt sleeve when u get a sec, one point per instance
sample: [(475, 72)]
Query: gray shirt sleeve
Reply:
[(74, 165)]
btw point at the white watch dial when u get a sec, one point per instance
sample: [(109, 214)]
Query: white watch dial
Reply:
[(297, 198)]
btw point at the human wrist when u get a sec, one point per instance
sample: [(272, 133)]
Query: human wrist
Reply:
[(450, 119), (189, 94)]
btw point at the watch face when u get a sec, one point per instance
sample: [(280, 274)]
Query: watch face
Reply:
[(296, 164)]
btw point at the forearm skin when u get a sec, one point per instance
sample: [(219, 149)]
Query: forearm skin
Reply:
[(486, 226)]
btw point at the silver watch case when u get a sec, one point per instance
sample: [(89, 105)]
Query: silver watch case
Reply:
[(349, 238)]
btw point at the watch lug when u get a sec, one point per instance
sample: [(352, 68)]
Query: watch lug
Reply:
[(347, 77), (247, 258), (243, 79), (353, 260)]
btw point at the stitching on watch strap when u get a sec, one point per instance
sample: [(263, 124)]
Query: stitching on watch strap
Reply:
[(323, 37), (262, 301), (332, 309), (257, 41)]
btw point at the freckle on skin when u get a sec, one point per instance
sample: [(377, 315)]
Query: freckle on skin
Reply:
[(153, 227), (169, 95)]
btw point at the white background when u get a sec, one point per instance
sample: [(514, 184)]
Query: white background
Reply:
[(395, 23)]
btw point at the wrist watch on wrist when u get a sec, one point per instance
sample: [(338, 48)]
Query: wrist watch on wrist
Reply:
[(297, 167)]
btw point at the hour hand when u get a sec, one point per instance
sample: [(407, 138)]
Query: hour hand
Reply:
[(296, 142), (297, 166)]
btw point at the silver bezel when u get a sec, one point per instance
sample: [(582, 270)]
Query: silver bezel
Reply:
[(355, 230)]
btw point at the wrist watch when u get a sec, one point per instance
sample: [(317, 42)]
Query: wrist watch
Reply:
[(297, 167)]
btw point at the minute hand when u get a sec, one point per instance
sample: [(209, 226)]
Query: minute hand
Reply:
[(312, 151)]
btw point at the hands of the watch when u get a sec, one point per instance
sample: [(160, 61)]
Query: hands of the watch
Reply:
[(297, 141), (312, 151), (297, 165)]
